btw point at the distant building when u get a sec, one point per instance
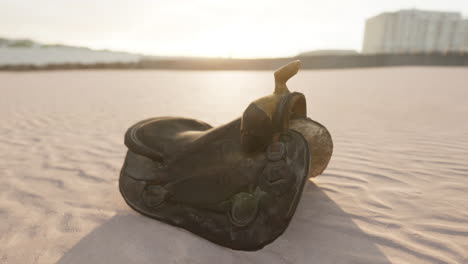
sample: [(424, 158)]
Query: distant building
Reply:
[(415, 31), (327, 53), (28, 52)]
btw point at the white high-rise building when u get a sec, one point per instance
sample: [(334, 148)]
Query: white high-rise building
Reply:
[(415, 31)]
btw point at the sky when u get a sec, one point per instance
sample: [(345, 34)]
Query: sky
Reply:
[(214, 28)]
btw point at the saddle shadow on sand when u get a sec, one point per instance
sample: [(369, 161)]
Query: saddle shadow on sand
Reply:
[(320, 232)]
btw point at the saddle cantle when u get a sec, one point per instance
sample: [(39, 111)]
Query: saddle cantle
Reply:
[(237, 185)]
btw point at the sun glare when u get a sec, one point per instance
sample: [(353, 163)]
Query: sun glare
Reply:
[(234, 38), (239, 41)]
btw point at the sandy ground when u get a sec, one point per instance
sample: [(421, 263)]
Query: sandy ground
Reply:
[(396, 190)]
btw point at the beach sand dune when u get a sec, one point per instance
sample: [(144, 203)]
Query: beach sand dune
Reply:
[(396, 190)]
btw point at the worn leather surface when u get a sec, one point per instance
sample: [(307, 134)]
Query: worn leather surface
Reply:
[(200, 179)]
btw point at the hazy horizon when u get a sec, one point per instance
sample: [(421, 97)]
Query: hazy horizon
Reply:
[(207, 28)]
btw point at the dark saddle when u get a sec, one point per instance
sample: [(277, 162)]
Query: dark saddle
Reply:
[(237, 185)]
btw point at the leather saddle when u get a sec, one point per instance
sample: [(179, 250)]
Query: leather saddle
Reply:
[(237, 185)]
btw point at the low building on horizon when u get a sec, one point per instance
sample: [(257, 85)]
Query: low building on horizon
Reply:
[(327, 52), (29, 52), (416, 31)]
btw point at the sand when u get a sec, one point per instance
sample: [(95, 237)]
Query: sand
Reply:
[(396, 190)]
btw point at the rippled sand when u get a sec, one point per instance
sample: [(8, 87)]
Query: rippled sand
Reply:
[(396, 190)]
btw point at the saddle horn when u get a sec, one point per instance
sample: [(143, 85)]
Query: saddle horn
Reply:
[(283, 74), (266, 118)]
